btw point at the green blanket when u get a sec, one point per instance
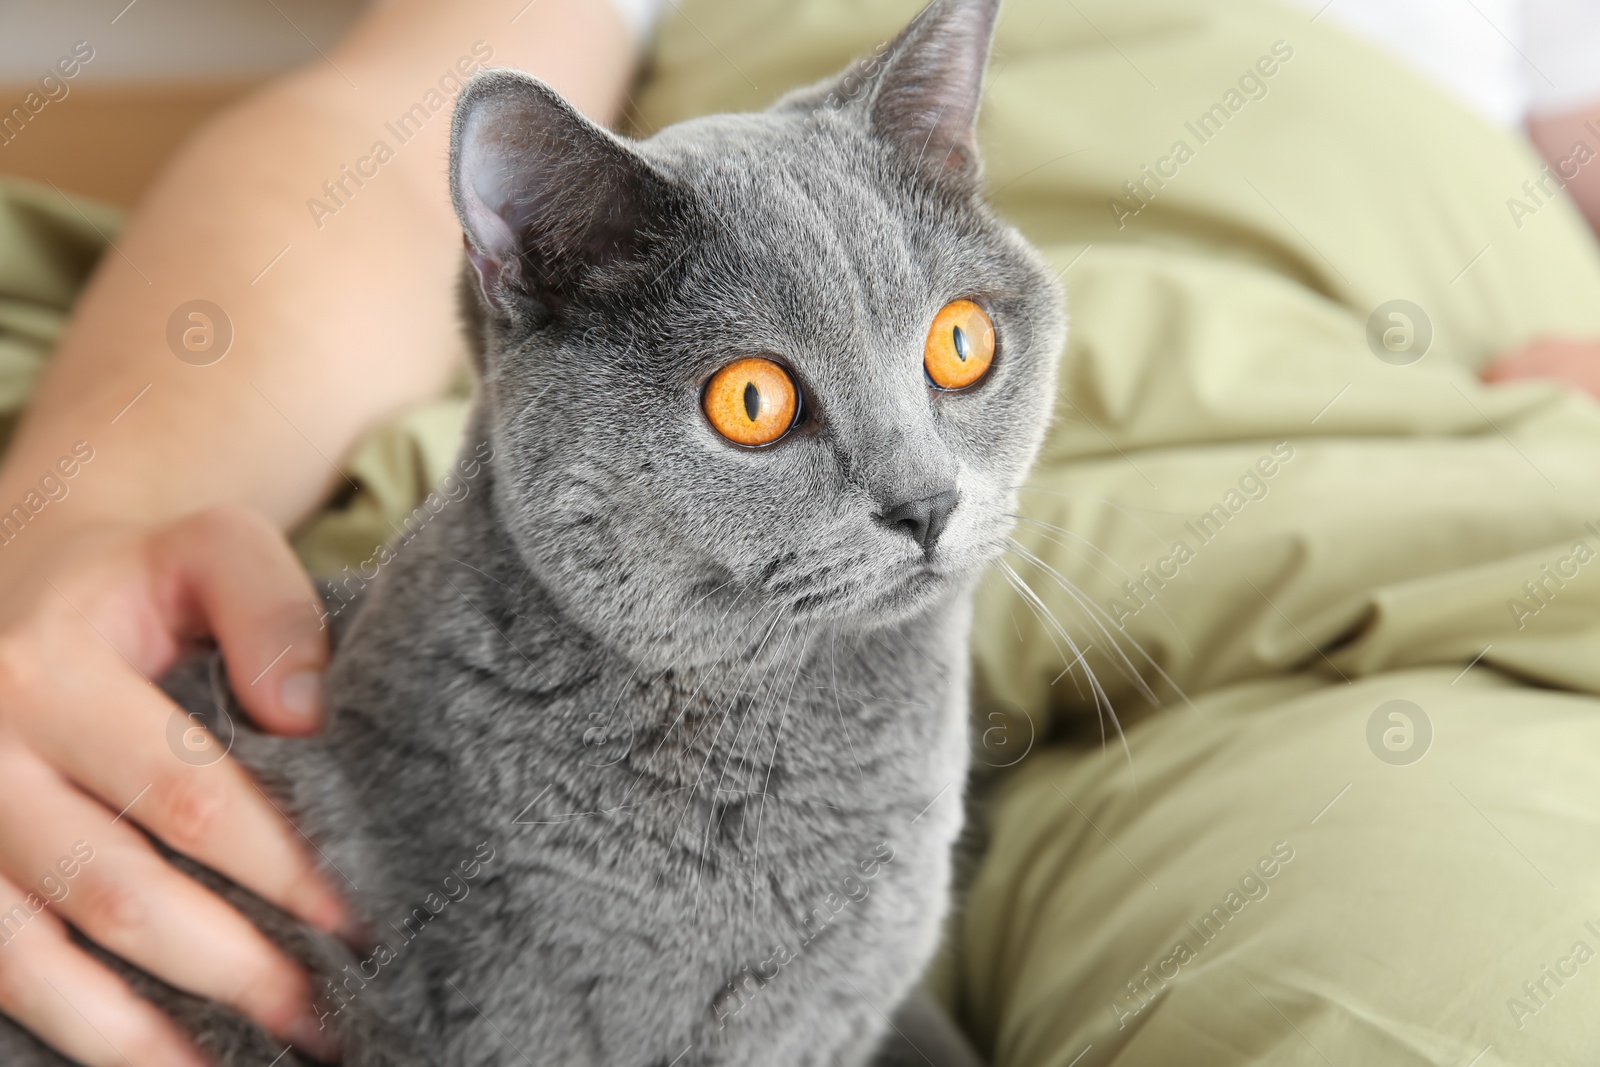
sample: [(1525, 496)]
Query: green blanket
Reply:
[(48, 246), (1342, 597)]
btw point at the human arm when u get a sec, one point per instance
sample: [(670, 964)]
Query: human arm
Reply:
[(335, 326), (1569, 141)]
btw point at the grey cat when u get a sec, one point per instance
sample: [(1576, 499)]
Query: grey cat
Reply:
[(649, 748)]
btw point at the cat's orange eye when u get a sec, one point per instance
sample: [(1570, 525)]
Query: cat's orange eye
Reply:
[(960, 345), (752, 401)]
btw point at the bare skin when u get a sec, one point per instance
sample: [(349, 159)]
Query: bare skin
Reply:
[(1554, 135), (175, 531), (1570, 360), (1575, 361)]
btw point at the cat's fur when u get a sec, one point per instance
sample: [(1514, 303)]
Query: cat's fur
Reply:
[(692, 717)]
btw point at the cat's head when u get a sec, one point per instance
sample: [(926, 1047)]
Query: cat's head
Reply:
[(758, 369)]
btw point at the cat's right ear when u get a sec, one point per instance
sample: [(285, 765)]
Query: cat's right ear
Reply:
[(546, 197)]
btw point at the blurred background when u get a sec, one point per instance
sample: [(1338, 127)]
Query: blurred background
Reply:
[(160, 67), (151, 80)]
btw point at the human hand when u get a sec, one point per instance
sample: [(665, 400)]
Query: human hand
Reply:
[(86, 763), (1575, 362)]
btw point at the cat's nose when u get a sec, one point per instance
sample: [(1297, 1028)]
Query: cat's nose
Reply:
[(923, 520)]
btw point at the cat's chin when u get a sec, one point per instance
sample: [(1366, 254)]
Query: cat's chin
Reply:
[(920, 589)]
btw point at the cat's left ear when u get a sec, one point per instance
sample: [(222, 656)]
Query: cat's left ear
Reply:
[(926, 98)]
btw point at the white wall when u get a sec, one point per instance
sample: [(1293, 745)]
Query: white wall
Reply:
[(169, 40)]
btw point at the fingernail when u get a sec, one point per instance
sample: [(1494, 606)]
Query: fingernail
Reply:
[(301, 695), (311, 1036), (315, 902), (357, 933), (186, 1055)]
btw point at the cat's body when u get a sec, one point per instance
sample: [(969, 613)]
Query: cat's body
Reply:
[(701, 885), (649, 750), (755, 884)]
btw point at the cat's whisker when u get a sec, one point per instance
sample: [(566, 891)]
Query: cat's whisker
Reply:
[(874, 697), (759, 722), (1102, 701), (737, 689), (1095, 615), (800, 650), (1053, 627), (1117, 658), (833, 659), (676, 661), (777, 740), (737, 643), (1135, 515), (688, 703), (1051, 529), (1042, 614), (765, 704), (1120, 661), (787, 799), (1092, 613), (728, 710), (1049, 632)]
